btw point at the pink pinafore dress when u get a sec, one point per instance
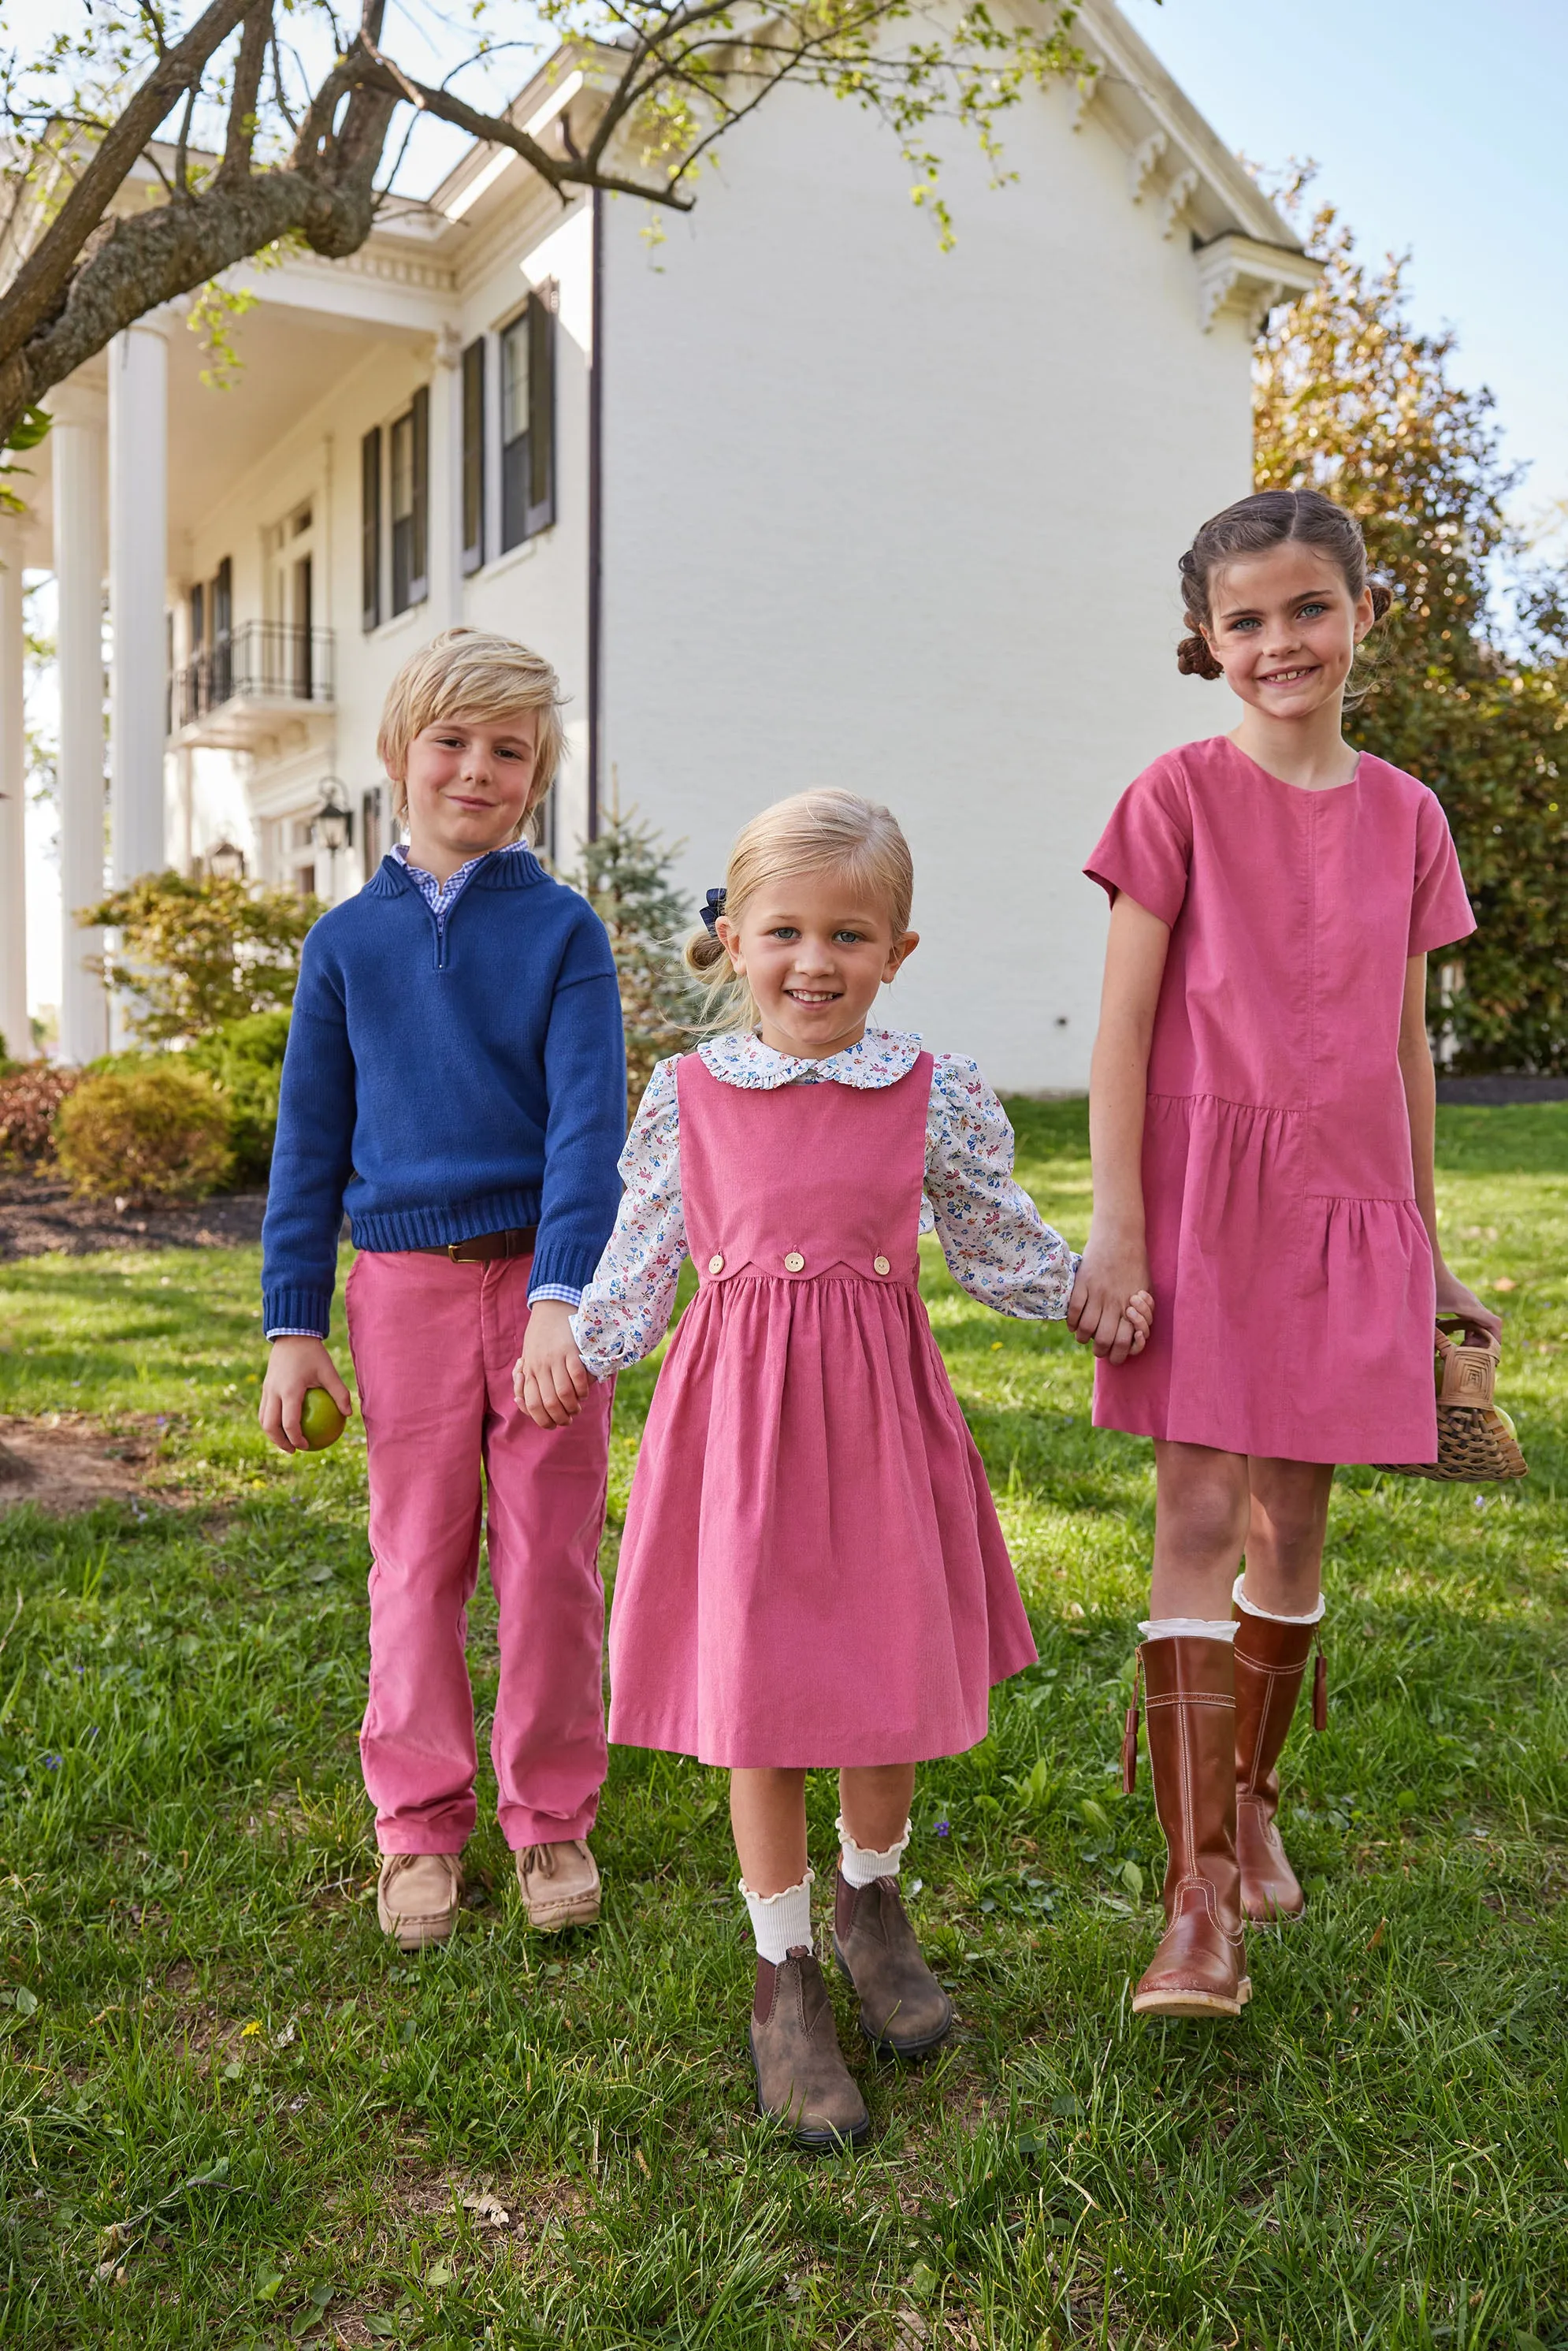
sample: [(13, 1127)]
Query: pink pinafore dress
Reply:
[(813, 1572)]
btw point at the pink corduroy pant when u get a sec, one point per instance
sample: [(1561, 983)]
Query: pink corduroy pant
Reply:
[(434, 1346)]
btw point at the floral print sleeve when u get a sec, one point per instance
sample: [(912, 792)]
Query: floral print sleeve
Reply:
[(996, 1245), (626, 1308)]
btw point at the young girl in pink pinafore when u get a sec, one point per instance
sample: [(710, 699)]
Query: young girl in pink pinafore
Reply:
[(1261, 1114), (812, 1574)]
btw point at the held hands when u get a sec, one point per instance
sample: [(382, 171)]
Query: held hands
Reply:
[(549, 1381), (296, 1366), (1111, 1309)]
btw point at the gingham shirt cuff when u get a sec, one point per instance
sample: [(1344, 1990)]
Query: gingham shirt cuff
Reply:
[(288, 1331), (562, 1291)]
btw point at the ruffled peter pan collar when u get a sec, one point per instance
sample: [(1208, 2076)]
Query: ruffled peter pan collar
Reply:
[(882, 1057)]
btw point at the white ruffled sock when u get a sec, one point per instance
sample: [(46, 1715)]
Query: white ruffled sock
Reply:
[(861, 1865), (1201, 1628), (1250, 1607), (780, 1922)]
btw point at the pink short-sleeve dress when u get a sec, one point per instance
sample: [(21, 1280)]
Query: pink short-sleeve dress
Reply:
[(1291, 1272)]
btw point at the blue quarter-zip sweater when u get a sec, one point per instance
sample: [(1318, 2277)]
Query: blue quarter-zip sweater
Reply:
[(447, 1076)]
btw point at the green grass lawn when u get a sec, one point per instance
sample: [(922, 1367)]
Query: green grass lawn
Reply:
[(201, 2026)]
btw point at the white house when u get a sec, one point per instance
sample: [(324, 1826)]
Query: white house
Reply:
[(791, 496)]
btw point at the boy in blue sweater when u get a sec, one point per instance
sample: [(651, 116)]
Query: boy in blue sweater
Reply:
[(456, 1078)]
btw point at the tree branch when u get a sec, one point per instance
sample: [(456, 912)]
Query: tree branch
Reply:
[(558, 171), (249, 65), (40, 285)]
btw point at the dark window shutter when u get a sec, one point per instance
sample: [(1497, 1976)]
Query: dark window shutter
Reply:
[(222, 620), (474, 455), (541, 409), (419, 562), (371, 529)]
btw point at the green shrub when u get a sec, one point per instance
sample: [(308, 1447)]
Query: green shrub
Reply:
[(158, 1131), (245, 1061), (30, 1094)]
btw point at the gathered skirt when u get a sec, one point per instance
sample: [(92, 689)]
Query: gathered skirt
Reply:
[(1290, 1323), (813, 1572)]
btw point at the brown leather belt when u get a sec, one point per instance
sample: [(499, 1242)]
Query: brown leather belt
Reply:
[(487, 1247)]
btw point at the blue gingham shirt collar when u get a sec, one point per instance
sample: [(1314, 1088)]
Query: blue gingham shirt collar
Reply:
[(439, 897)]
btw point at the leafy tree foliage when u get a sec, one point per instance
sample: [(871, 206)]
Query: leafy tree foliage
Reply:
[(1466, 687), (198, 955), (625, 876), (306, 117)]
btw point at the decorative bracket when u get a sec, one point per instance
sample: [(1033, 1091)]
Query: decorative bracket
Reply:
[(1179, 196), (1240, 275), (1142, 161)]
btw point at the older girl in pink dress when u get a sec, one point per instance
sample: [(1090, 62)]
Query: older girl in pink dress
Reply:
[(812, 1574), (1261, 1117)]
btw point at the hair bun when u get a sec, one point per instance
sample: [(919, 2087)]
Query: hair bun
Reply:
[(1194, 658), (1382, 597)]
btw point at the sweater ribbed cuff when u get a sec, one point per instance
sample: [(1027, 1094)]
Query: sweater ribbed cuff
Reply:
[(561, 1264), (307, 1311)]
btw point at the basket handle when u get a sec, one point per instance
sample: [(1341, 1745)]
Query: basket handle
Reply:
[(1455, 1326)]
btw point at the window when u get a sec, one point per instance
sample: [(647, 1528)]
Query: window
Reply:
[(528, 420), (371, 529), (474, 455), (410, 499)]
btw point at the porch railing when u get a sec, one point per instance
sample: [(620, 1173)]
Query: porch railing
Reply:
[(261, 661)]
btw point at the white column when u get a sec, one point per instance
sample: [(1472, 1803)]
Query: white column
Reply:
[(137, 542), (14, 1026), (446, 483), (76, 444)]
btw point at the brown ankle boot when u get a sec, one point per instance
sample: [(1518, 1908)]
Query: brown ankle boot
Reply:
[(1270, 1661), (1201, 1968), (904, 2008), (801, 2077)]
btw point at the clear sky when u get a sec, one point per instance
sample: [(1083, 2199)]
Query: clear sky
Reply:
[(1439, 127)]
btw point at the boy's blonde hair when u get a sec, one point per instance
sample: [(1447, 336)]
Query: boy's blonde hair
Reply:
[(469, 674), (812, 832)]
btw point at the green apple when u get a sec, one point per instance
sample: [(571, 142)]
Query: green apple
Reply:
[(320, 1422)]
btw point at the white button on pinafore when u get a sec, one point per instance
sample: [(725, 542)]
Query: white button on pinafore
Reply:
[(716, 1263), (794, 1262), (880, 1265)]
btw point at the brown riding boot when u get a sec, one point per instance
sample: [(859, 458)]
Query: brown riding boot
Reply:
[(1201, 1968), (801, 2077), (904, 2008), (1271, 1662)]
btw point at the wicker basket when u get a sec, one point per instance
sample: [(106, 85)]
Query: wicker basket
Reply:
[(1476, 1442)]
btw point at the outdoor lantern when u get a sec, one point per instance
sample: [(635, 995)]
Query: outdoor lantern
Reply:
[(332, 826), (225, 861)]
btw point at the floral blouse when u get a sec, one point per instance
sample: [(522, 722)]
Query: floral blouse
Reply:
[(996, 1243)]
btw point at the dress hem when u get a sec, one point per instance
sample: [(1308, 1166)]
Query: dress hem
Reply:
[(1358, 1453)]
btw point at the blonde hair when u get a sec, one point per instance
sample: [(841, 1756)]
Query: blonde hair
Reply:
[(812, 832), (468, 673)]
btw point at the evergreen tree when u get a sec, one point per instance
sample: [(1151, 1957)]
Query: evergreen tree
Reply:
[(626, 875), (1464, 691)]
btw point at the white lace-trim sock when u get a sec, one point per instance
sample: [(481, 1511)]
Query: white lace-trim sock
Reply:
[(1250, 1607), (1172, 1628), (860, 1865), (780, 1922)]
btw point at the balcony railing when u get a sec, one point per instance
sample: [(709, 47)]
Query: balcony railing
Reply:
[(268, 665)]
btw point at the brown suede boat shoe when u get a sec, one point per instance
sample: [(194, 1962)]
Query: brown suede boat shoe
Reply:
[(801, 2077), (904, 2008), (418, 1897), (560, 1884)]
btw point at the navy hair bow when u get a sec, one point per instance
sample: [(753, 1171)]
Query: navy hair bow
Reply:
[(713, 909)]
